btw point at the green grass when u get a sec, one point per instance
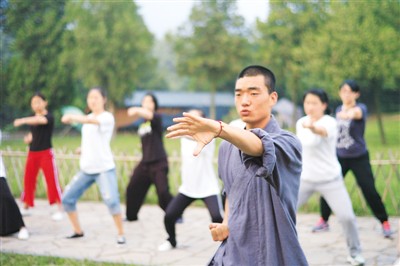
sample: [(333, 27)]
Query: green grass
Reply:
[(12, 259), (392, 133)]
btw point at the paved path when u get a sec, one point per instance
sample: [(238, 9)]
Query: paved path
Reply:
[(196, 247)]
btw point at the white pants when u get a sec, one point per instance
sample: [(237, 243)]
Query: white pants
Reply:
[(337, 197)]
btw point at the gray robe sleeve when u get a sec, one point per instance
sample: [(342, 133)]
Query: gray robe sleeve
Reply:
[(261, 216)]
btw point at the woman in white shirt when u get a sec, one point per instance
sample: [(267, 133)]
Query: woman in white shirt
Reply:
[(321, 169), (96, 162), (198, 182)]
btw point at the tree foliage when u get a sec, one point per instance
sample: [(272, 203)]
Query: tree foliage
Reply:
[(35, 29), (109, 46), (360, 41), (321, 43), (212, 47), (282, 37)]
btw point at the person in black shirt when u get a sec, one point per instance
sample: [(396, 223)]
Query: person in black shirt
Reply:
[(40, 156), (153, 168)]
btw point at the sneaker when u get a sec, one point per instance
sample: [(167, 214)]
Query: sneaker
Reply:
[(23, 234), (356, 260), (321, 226), (57, 216), (165, 246), (387, 232), (121, 240), (25, 212)]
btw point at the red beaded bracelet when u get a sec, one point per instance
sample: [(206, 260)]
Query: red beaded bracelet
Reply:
[(220, 129)]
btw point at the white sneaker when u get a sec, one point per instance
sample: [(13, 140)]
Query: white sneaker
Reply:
[(57, 216), (25, 212), (121, 240), (356, 260), (23, 234), (165, 246)]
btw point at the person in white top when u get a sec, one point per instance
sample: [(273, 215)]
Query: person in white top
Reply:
[(199, 181), (10, 216), (321, 169), (96, 162)]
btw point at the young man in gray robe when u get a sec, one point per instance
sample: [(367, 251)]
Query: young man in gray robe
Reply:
[(260, 167)]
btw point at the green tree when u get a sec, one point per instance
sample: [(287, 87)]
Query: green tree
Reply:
[(360, 41), (281, 38), (212, 48), (109, 46), (33, 62)]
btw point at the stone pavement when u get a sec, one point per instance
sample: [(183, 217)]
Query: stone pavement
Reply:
[(47, 238)]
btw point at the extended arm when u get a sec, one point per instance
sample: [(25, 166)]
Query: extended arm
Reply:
[(203, 130), (82, 119), (139, 112), (352, 113), (319, 130), (31, 120)]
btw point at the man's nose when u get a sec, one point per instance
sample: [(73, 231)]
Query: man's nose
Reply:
[(245, 99)]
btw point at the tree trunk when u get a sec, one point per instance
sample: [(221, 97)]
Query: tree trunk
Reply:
[(376, 89), (293, 89), (111, 108), (212, 103)]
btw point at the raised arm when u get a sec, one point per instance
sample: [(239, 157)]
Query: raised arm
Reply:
[(203, 130)]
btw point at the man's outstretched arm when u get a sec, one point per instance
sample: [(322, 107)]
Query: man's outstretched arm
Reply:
[(203, 130)]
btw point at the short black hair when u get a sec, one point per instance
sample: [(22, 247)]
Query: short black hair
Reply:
[(352, 84), (255, 70)]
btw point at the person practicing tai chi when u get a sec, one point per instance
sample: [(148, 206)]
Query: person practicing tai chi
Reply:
[(321, 173), (40, 156), (96, 162), (198, 182), (153, 168), (260, 167), (351, 149), (10, 217)]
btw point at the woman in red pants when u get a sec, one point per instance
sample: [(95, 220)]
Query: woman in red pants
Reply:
[(40, 155)]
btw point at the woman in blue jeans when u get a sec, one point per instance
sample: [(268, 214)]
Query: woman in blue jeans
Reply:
[(96, 162), (353, 155)]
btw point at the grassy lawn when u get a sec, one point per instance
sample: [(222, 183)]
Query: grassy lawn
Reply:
[(129, 143), (12, 259)]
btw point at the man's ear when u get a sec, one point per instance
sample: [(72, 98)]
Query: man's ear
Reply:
[(274, 96)]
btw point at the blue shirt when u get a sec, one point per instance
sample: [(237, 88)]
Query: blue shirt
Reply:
[(262, 194)]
